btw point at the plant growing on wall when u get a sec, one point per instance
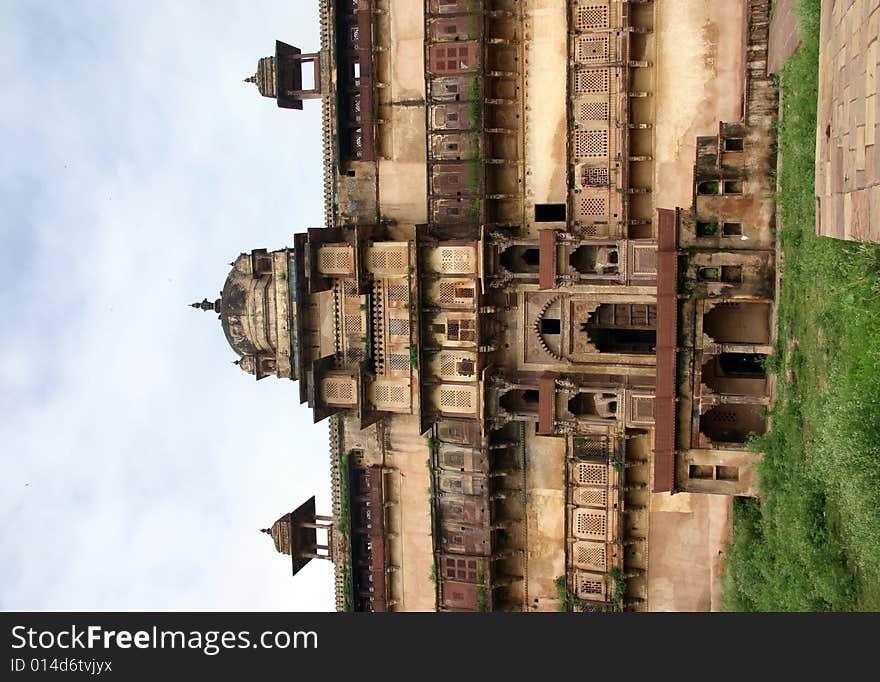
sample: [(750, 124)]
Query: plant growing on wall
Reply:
[(707, 229), (482, 599), (342, 521), (561, 585), (475, 102)]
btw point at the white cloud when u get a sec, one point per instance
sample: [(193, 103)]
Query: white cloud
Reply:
[(138, 462)]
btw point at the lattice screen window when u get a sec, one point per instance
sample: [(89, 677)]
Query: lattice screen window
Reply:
[(595, 176), (349, 287), (458, 400), (591, 144), (456, 292), (642, 409), (353, 324), (644, 261), (456, 259), (590, 17), (398, 362), (457, 365), (591, 474), (398, 327), (590, 524), (591, 48), (590, 206), (590, 555), (591, 448), (339, 390), (355, 355), (388, 395), (391, 258), (398, 293), (591, 81), (591, 111), (335, 260), (447, 292), (589, 586), (591, 497), (461, 330)]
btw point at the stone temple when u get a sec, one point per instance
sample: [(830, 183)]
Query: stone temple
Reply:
[(540, 379)]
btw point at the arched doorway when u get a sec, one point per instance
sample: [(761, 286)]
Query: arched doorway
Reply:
[(732, 423)]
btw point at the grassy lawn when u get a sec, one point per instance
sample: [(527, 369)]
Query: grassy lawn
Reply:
[(812, 541)]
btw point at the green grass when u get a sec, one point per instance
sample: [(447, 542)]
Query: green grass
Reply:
[(811, 542)]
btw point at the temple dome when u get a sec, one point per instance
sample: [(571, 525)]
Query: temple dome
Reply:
[(264, 77), (246, 303), (280, 534)]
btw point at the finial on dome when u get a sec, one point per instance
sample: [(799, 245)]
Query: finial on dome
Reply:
[(251, 79), (267, 531), (207, 305)]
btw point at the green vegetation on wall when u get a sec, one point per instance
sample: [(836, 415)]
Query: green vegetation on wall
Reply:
[(342, 521), (561, 584), (342, 525)]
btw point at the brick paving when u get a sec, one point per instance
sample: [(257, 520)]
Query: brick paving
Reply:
[(784, 39), (848, 135)]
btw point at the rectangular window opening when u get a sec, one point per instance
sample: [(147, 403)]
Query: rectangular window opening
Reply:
[(733, 144), (731, 273), (308, 75), (732, 229), (726, 473), (733, 187), (709, 274), (707, 229), (700, 471), (549, 213), (551, 326)]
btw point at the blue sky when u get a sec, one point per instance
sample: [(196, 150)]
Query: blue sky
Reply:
[(138, 462)]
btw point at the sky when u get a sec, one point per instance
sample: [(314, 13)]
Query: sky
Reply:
[(138, 463)]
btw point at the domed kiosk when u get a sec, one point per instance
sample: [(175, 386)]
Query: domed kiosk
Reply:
[(255, 313)]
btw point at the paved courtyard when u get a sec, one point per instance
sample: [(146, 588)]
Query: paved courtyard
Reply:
[(847, 151), (784, 39)]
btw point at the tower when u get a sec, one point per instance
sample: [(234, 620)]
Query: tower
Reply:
[(296, 534), (281, 76)]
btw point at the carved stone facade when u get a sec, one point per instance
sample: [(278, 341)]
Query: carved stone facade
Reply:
[(515, 351)]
